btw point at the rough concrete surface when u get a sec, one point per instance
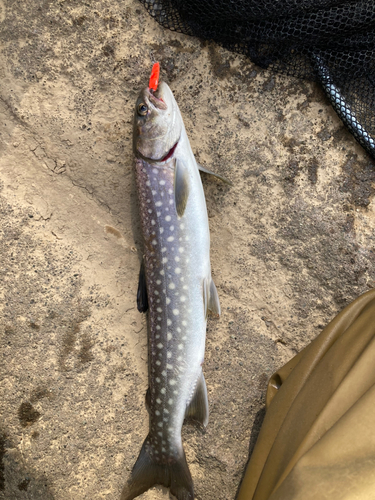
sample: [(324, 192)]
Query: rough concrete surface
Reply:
[(292, 242)]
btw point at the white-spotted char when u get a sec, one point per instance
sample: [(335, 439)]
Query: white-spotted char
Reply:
[(175, 286)]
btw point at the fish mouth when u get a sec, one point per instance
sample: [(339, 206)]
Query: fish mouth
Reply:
[(155, 100)]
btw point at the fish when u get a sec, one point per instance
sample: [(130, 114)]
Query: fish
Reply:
[(175, 287)]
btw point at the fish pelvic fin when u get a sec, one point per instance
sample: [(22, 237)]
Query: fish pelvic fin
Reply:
[(210, 297), (148, 471), (197, 409)]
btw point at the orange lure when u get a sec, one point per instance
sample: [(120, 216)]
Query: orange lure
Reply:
[(154, 78)]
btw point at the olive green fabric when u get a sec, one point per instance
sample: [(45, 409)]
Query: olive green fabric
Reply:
[(317, 440)]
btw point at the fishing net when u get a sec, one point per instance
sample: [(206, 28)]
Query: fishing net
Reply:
[(331, 41)]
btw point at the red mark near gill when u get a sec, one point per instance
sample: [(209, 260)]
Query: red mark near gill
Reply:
[(154, 78)]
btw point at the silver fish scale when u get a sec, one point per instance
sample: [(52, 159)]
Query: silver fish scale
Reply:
[(176, 312)]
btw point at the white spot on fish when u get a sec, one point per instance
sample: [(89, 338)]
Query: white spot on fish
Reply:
[(181, 249), (160, 346), (171, 228), (148, 183), (158, 282), (164, 249), (169, 336), (170, 202), (158, 401), (155, 171), (176, 312), (180, 346), (175, 392), (153, 192), (153, 222), (158, 327), (177, 258), (162, 390), (164, 260), (182, 298), (160, 434), (182, 225), (169, 354), (177, 270), (168, 300), (184, 323), (158, 204), (163, 449), (157, 380), (170, 238), (179, 329), (161, 229), (162, 182), (168, 218), (185, 287), (149, 211), (162, 273), (158, 214), (156, 292), (170, 402), (169, 367), (179, 358), (172, 286), (158, 362), (172, 382), (169, 322), (159, 310), (160, 424), (170, 191)]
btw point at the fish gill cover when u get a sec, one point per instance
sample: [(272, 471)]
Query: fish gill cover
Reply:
[(331, 41)]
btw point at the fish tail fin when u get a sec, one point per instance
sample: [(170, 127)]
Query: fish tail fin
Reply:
[(148, 471)]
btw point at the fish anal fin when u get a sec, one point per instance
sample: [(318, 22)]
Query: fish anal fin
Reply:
[(147, 472), (181, 187), (207, 171), (198, 407), (214, 303), (142, 299), (210, 297)]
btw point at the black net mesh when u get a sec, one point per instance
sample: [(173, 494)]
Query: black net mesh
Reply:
[(332, 41)]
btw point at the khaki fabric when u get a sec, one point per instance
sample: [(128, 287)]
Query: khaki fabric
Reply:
[(317, 440)]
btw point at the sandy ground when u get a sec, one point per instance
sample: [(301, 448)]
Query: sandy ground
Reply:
[(292, 242)]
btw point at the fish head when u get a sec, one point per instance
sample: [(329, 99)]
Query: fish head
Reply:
[(157, 124)]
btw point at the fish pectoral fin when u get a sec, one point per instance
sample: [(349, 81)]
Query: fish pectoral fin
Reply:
[(206, 171), (181, 186), (198, 407), (210, 297), (142, 299), (147, 472)]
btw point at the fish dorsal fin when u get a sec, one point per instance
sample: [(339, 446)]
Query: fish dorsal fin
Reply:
[(181, 186), (142, 299), (198, 407), (210, 297), (206, 171), (148, 399)]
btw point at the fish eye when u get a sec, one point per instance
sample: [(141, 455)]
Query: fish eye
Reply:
[(142, 109)]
